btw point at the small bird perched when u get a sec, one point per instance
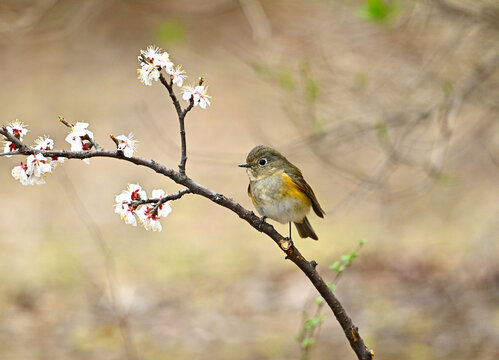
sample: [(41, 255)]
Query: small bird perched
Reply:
[(279, 191)]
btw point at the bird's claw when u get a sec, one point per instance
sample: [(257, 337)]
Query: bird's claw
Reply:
[(287, 243)]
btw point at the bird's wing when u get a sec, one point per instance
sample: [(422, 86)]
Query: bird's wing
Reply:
[(295, 174)]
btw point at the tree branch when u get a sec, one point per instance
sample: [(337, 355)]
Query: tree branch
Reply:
[(181, 117), (292, 253), (160, 201)]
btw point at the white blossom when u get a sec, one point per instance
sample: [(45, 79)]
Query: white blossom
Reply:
[(198, 94), (122, 203), (164, 209), (149, 220), (148, 73), (37, 165), (44, 143), (163, 61), (34, 171), (127, 144), (177, 76), (80, 138), (19, 173), (128, 215), (149, 54), (17, 128), (9, 147), (152, 61)]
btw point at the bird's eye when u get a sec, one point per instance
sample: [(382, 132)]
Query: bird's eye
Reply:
[(262, 162)]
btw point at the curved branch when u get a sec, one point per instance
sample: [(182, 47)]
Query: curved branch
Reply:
[(292, 253)]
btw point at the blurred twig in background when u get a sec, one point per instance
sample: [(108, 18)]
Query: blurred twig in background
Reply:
[(117, 307)]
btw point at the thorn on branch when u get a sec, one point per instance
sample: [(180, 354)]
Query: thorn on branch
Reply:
[(313, 263)]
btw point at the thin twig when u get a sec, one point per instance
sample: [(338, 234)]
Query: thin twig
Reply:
[(160, 201), (10, 153), (181, 116)]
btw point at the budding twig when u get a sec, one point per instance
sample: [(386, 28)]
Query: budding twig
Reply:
[(116, 141), (160, 201), (86, 137)]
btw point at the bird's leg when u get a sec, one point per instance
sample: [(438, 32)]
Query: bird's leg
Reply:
[(262, 221), (288, 240)]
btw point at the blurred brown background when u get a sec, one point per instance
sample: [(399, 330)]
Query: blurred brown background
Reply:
[(389, 108)]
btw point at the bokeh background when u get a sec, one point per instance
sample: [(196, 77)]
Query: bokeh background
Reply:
[(390, 108)]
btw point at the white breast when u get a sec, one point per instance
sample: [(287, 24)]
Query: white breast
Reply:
[(272, 204)]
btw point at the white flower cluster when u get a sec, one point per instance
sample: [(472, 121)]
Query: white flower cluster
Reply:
[(148, 217), (127, 144), (17, 129), (37, 165), (198, 94), (153, 60)]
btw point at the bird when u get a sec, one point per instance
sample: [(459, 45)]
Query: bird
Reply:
[(279, 191)]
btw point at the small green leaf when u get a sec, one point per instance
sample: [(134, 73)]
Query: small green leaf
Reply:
[(313, 322), (171, 32), (378, 10), (353, 255), (307, 343), (311, 89), (304, 66), (332, 287), (261, 69), (361, 80), (342, 268), (362, 242), (381, 130), (447, 88), (447, 179), (286, 80), (345, 258), (319, 126), (319, 300), (335, 266)]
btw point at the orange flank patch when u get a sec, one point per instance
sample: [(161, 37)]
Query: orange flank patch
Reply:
[(292, 190)]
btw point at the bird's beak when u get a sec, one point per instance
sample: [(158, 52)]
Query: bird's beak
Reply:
[(244, 165)]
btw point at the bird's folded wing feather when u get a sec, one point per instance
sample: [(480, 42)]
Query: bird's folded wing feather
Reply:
[(297, 177)]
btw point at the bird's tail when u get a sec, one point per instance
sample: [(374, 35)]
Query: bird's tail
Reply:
[(305, 229)]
